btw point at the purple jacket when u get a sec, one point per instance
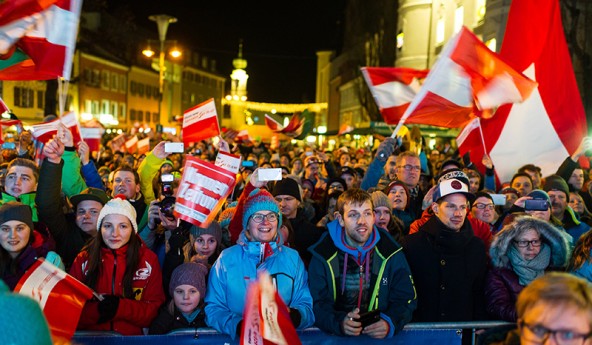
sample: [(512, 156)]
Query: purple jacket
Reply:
[(501, 291)]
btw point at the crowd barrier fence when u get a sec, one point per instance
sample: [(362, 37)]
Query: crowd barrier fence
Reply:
[(421, 333)]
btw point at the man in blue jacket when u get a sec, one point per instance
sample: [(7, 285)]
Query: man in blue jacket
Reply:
[(356, 268)]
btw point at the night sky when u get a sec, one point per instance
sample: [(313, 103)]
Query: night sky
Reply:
[(280, 39)]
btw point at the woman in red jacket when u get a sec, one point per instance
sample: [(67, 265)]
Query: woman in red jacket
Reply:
[(120, 268)]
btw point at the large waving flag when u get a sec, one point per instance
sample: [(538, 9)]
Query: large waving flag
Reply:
[(200, 122), (467, 79), (393, 89), (60, 296), (38, 38), (547, 127)]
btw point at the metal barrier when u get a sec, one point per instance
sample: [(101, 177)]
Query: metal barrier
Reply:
[(427, 333)]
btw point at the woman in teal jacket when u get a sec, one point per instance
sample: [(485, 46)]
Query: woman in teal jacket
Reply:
[(259, 248)]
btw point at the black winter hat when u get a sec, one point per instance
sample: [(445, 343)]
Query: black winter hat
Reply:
[(14, 210), (287, 186)]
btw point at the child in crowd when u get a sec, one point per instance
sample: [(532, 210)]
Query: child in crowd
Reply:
[(185, 310), (204, 244)]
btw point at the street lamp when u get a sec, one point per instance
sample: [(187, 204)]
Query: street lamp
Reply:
[(162, 22)]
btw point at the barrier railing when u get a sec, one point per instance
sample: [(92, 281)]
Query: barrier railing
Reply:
[(428, 333)]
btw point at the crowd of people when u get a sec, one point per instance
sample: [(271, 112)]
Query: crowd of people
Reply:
[(356, 240)]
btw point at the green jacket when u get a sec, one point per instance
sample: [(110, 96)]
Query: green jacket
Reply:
[(25, 198)]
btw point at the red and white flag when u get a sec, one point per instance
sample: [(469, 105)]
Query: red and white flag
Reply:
[(92, 136), (467, 79), (143, 146), (266, 316), (293, 129), (60, 296), (39, 38), (131, 146), (549, 125), (200, 122), (42, 132), (393, 89)]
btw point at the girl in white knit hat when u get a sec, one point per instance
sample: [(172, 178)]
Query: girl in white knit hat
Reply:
[(120, 268)]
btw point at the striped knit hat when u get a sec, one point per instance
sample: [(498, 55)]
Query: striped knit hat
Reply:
[(260, 200)]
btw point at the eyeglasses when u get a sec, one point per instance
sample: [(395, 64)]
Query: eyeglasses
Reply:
[(258, 217), (482, 206), (540, 334), (409, 167), (524, 244)]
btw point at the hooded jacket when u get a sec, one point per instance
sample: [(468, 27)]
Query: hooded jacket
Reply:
[(391, 285), (238, 266), (502, 286), (133, 314)]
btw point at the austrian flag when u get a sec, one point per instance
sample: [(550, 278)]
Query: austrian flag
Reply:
[(38, 38), (60, 296), (200, 122), (467, 80), (393, 89)]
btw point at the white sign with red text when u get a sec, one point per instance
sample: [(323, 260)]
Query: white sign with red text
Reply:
[(203, 189)]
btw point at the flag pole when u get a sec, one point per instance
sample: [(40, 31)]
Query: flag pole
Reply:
[(482, 137)]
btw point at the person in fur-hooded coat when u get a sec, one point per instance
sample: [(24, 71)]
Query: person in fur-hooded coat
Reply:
[(522, 251)]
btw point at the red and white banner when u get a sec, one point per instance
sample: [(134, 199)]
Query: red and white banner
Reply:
[(466, 80), (60, 296), (39, 38), (266, 318), (42, 132), (548, 126), (132, 144), (143, 146), (393, 89), (202, 191), (228, 161), (92, 136), (200, 122)]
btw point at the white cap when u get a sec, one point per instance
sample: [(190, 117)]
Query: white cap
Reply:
[(118, 205), (452, 186)]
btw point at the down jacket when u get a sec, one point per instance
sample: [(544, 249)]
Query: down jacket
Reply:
[(502, 287)]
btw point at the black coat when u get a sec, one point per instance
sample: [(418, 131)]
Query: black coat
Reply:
[(68, 236), (305, 235), (449, 272)]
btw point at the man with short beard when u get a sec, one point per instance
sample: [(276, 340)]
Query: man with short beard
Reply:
[(357, 267)]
